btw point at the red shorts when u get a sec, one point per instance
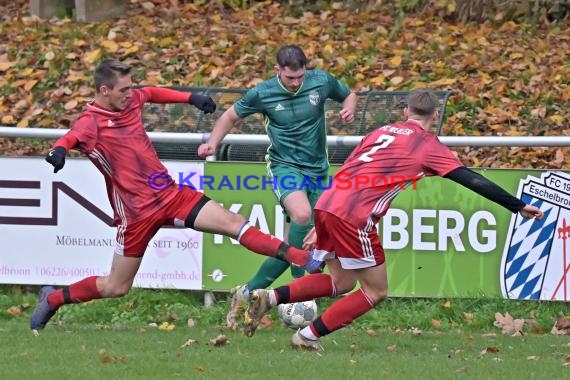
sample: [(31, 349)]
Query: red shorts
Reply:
[(353, 247), (132, 239)]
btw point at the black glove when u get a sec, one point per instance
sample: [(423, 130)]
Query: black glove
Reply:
[(203, 103), (56, 157)]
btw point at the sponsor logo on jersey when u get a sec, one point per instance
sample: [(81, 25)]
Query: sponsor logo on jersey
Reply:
[(536, 259), (314, 98), (279, 107)]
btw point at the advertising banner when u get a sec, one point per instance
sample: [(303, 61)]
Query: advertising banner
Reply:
[(56, 228), (441, 240)]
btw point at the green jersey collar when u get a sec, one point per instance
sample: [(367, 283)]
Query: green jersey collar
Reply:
[(289, 91)]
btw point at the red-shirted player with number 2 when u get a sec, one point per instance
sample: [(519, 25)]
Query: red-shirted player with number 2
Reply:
[(346, 218), (111, 133)]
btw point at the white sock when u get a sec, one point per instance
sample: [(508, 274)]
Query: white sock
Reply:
[(307, 333), (242, 230), (272, 298), (244, 292)]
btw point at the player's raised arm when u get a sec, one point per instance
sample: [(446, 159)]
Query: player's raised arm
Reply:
[(167, 95), (348, 108), (223, 125), (493, 192)]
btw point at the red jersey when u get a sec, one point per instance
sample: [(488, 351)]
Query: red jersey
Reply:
[(385, 162), (118, 145)]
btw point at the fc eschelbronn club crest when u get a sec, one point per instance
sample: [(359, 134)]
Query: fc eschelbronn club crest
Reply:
[(536, 259)]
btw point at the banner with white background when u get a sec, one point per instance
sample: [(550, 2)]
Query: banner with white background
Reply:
[(54, 228)]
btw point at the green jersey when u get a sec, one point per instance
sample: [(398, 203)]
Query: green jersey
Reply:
[(295, 122)]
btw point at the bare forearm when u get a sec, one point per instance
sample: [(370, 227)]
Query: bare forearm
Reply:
[(223, 125), (350, 102)]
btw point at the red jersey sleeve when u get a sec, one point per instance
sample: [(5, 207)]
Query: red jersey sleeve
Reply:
[(438, 158), (163, 95), (82, 136)]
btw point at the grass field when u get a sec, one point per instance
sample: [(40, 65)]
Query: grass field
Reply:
[(122, 339)]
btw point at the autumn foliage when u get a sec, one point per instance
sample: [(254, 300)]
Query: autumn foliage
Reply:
[(507, 78)]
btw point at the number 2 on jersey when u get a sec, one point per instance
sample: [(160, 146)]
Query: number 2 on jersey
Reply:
[(383, 141)]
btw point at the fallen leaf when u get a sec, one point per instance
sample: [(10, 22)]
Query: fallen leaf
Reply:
[(371, 332), (392, 347), (532, 358), (468, 316), (396, 80), (447, 305), (23, 123), (509, 325), (165, 326), (106, 358), (30, 84), (6, 65), (489, 350), (220, 340), (70, 105), (436, 323), (92, 56), (396, 61), (561, 327), (415, 331), (109, 45), (191, 322), (8, 119), (189, 343), (14, 311)]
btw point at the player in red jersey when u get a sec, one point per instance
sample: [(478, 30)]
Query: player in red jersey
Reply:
[(111, 133), (385, 162)]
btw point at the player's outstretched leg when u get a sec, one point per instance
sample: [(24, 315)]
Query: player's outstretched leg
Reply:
[(43, 312), (258, 305), (298, 341)]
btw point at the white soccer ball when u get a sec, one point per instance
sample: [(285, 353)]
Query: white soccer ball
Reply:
[(298, 314)]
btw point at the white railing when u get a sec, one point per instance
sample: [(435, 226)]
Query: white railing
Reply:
[(197, 138)]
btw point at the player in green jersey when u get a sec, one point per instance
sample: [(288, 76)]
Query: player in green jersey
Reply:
[(293, 107)]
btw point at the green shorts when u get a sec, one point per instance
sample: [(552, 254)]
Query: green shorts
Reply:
[(287, 180)]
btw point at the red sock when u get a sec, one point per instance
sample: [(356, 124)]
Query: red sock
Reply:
[(268, 245), (341, 313), (310, 287), (81, 291)]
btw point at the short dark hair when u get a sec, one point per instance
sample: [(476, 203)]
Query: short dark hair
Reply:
[(423, 103), (108, 71), (291, 56)]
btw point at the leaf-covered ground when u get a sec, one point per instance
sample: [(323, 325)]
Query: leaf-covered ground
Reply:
[(508, 78)]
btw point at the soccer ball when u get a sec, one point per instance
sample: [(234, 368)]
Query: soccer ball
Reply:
[(298, 314)]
